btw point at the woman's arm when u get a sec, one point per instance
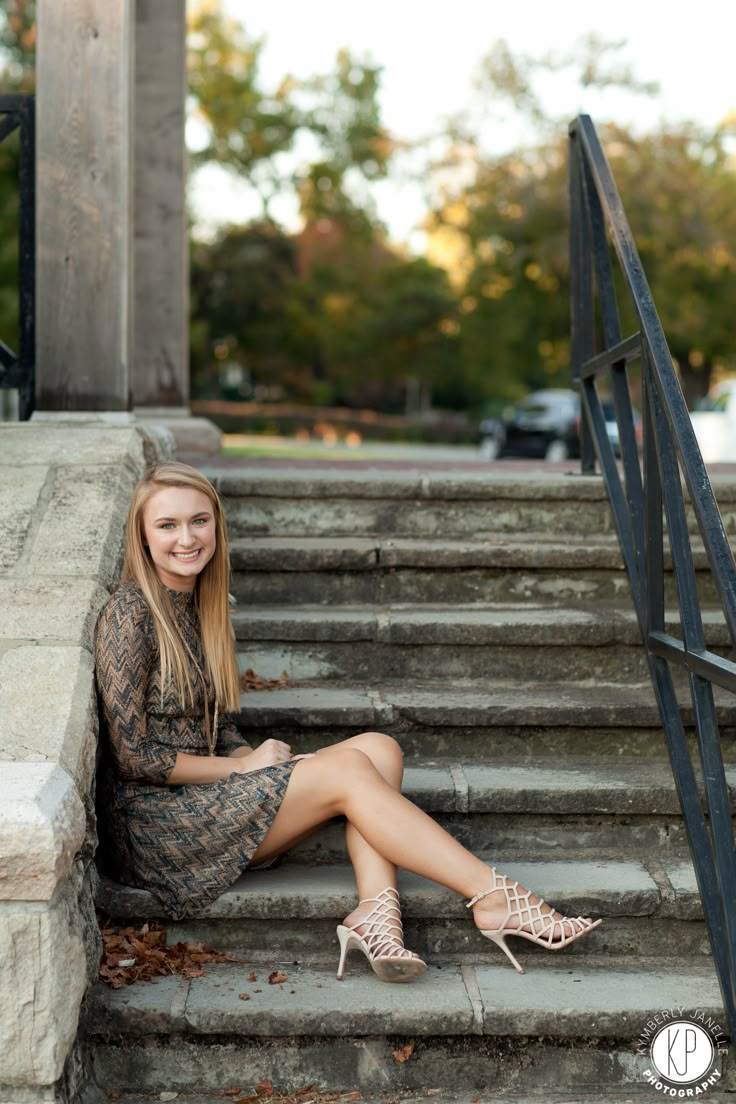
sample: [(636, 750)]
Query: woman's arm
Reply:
[(202, 769), (124, 654), (229, 738)]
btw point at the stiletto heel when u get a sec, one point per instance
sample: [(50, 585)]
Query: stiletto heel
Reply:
[(542, 924), (386, 953)]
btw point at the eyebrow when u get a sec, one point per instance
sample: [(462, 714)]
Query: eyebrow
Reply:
[(202, 513)]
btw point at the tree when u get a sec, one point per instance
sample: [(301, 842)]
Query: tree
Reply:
[(254, 132), (508, 231), (240, 287), (246, 127)]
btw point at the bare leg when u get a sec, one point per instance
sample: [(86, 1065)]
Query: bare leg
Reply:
[(343, 780), (373, 872)]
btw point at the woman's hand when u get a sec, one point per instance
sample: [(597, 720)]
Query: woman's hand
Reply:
[(269, 754)]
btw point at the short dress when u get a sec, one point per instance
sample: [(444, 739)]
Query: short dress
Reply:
[(184, 843)]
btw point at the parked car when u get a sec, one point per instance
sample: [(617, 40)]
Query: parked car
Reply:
[(714, 422), (544, 424)]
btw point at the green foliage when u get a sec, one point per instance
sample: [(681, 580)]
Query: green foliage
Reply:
[(321, 316), (246, 127), (249, 129), (678, 187), (509, 226)]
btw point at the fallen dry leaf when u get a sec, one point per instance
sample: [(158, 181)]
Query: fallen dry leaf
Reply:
[(265, 1088), (249, 680), (276, 977), (405, 1053), (149, 956), (244, 996)]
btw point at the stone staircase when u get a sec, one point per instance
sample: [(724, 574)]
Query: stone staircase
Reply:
[(485, 621)]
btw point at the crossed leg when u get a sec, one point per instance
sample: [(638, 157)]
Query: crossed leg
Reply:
[(344, 779), (373, 872)]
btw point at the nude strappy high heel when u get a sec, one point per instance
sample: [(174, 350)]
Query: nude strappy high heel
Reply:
[(386, 953), (529, 915)]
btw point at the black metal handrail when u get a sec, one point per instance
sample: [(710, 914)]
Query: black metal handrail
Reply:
[(18, 369), (670, 453)]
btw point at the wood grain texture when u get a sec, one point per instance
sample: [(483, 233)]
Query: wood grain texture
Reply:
[(161, 358), (84, 204)]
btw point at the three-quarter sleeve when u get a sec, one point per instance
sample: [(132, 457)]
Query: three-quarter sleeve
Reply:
[(229, 737), (125, 652)]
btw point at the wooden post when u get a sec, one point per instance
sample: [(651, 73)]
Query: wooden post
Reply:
[(161, 360), (84, 204)]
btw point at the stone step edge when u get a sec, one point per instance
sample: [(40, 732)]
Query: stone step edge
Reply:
[(470, 705), (475, 626), (608, 788), (301, 481), (532, 550), (433, 1096), (663, 889), (564, 1000)]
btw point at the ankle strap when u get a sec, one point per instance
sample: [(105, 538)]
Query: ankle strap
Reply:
[(498, 881)]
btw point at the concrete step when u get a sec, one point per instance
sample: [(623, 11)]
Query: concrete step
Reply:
[(565, 1023), (296, 571), (420, 1096), (297, 500), (649, 909), (487, 720), (500, 641)]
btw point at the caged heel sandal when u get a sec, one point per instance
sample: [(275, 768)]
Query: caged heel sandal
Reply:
[(388, 956), (530, 915)]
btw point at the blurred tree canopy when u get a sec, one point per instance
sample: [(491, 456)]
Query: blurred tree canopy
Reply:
[(332, 314), (507, 233)]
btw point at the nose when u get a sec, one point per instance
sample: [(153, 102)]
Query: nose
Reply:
[(186, 537)]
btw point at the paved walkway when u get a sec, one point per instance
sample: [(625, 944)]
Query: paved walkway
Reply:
[(284, 452)]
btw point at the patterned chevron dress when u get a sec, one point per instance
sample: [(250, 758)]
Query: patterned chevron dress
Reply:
[(187, 843)]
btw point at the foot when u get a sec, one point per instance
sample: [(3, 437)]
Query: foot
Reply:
[(496, 910), (361, 912)]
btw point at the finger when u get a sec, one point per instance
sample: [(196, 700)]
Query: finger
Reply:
[(304, 755)]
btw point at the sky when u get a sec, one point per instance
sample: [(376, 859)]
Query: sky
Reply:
[(430, 53)]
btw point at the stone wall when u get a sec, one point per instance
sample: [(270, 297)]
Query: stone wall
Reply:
[(64, 492)]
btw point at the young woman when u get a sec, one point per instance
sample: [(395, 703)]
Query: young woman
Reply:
[(185, 805)]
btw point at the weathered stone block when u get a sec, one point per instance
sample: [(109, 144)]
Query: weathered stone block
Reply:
[(42, 826), (50, 609), (57, 720), (19, 491), (42, 965), (59, 440), (81, 533)]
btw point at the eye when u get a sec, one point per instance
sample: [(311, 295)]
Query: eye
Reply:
[(167, 525), (201, 521)]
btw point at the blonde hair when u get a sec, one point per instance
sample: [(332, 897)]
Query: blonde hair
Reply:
[(210, 592)]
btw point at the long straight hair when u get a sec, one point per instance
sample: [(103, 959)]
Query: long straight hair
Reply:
[(210, 592)]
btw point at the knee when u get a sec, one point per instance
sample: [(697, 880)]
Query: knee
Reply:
[(351, 761), (384, 745)]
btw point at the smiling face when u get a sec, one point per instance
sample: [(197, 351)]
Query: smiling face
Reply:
[(179, 529)]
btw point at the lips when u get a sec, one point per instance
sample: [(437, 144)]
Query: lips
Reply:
[(187, 557)]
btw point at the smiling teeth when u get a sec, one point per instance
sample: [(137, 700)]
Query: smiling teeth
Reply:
[(186, 555)]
